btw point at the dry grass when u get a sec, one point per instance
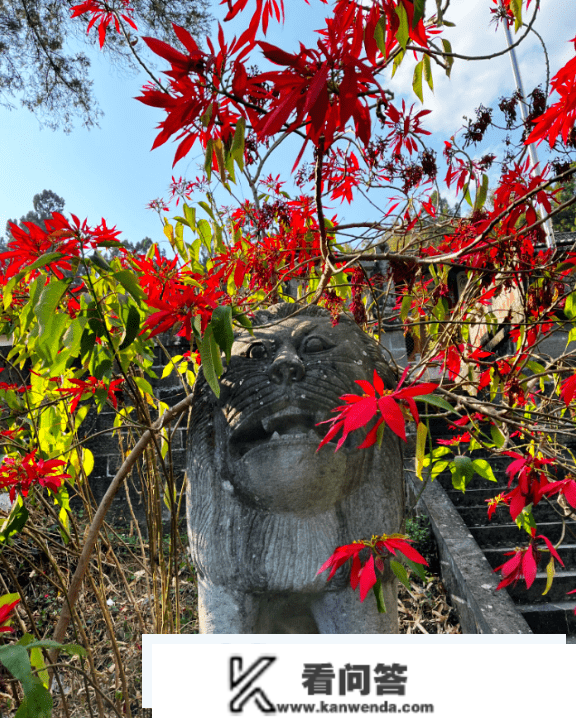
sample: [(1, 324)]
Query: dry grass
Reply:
[(425, 609)]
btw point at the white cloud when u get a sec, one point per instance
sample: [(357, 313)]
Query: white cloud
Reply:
[(484, 81)]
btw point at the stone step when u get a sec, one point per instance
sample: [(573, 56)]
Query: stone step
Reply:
[(567, 553), (474, 497), (477, 484), (564, 581), (509, 535), (557, 617), (478, 515)]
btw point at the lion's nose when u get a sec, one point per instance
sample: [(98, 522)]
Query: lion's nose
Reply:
[(287, 367)]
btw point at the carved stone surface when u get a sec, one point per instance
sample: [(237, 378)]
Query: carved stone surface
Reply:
[(265, 509)]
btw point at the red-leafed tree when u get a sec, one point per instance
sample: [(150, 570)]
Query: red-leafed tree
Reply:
[(476, 292)]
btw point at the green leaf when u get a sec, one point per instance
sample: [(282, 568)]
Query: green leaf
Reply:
[(570, 306), (218, 243), (98, 261), (15, 658), (402, 34), (208, 160), (179, 241), (400, 573), (40, 262), (13, 525), (128, 280), (481, 193), (45, 308), (219, 150), (211, 362), (516, 7), (72, 338), (143, 385), (222, 328), (205, 232), (87, 342), (237, 149), (428, 72), (417, 81), (379, 594), (110, 243), (421, 434), (497, 436), (525, 520), (243, 320), (438, 468), (419, 8), (482, 467), (132, 327), (405, 307), (550, 572), (206, 207), (72, 649), (380, 35), (36, 658), (87, 461), (435, 401), (448, 60), (190, 214), (103, 368), (462, 472), (418, 568)]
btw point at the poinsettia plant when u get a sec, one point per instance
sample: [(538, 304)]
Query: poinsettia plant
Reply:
[(86, 313)]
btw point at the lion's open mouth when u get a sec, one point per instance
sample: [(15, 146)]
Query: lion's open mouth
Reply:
[(290, 425)]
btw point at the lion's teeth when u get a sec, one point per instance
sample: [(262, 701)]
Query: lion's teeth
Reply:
[(294, 437)]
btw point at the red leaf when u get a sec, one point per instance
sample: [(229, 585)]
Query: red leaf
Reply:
[(417, 389), (529, 567), (393, 416), (331, 434), (102, 33), (317, 84), (405, 548), (272, 123), (368, 388), (185, 38), (239, 273), (355, 572), (551, 548), (367, 577), (278, 56), (360, 414), (161, 48), (184, 148), (371, 437), (378, 383)]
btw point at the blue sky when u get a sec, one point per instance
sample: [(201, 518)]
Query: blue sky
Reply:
[(110, 172)]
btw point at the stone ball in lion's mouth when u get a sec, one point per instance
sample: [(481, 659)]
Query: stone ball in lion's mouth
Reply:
[(287, 473)]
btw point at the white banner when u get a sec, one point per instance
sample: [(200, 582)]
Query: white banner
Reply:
[(449, 679)]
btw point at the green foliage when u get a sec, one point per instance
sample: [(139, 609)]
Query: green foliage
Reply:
[(25, 662)]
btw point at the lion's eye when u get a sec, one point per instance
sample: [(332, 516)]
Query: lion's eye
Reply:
[(257, 351), (316, 344)]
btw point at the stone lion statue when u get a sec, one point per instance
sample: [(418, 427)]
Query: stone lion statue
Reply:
[(265, 508)]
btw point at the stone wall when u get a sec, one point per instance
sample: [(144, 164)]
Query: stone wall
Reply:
[(106, 449)]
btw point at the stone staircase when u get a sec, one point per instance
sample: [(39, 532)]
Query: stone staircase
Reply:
[(552, 613)]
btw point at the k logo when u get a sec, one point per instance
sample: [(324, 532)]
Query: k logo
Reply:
[(243, 682)]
